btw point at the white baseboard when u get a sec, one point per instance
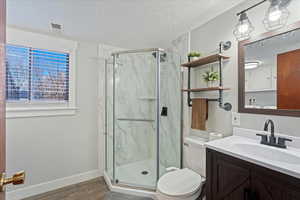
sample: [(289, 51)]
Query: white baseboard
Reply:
[(51, 185)]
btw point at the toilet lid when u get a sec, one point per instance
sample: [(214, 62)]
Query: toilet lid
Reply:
[(179, 183)]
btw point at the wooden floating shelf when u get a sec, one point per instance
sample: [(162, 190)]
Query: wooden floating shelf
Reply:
[(205, 60), (205, 89)]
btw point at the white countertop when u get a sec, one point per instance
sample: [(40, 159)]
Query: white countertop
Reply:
[(245, 145)]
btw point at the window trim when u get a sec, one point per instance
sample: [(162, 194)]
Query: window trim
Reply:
[(22, 112), (25, 38)]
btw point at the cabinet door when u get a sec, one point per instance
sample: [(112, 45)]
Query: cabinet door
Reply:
[(266, 188), (271, 185), (242, 192), (227, 178), (292, 194)]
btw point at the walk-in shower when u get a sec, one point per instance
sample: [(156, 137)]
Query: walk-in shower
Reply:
[(143, 117)]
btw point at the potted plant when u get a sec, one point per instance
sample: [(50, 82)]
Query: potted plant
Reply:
[(193, 56), (210, 77)]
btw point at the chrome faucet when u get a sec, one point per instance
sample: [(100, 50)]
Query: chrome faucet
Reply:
[(272, 140)]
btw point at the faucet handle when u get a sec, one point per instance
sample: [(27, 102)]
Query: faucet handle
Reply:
[(281, 142), (264, 138)]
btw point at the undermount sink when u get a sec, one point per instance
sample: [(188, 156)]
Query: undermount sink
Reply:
[(268, 153)]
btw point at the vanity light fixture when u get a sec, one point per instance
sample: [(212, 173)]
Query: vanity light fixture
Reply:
[(243, 28), (252, 64), (276, 17), (277, 14)]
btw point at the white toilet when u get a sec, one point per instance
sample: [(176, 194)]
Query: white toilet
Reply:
[(185, 184)]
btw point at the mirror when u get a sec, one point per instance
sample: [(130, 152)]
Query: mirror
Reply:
[(269, 73)]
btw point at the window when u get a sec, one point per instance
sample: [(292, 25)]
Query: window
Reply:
[(40, 75), (36, 75)]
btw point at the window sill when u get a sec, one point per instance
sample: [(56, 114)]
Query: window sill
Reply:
[(12, 113)]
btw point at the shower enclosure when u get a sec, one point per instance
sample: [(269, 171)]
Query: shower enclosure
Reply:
[(143, 117)]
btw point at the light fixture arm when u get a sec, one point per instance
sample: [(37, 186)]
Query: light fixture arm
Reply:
[(251, 7), (275, 18), (283, 3)]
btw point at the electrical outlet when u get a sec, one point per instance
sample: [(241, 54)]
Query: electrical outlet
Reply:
[(236, 119)]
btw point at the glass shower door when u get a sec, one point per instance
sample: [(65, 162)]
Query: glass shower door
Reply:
[(170, 137), (135, 120), (109, 150)]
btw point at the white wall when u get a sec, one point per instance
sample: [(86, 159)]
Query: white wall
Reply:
[(181, 46), (206, 38), (51, 148)]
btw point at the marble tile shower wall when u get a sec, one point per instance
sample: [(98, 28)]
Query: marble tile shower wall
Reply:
[(135, 99)]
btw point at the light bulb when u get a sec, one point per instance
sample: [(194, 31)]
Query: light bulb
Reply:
[(275, 14), (243, 28)]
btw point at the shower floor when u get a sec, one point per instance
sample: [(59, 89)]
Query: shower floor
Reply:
[(140, 174)]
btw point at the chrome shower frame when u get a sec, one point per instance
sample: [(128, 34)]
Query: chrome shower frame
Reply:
[(115, 56)]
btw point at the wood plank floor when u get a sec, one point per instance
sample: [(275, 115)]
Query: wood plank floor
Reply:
[(95, 189)]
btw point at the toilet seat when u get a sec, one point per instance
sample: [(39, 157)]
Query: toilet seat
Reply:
[(180, 184)]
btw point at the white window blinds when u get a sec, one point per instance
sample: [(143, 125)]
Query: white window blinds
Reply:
[(36, 74)]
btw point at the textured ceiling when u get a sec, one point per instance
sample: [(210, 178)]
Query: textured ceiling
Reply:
[(124, 23)]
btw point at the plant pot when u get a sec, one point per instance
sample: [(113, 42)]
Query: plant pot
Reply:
[(194, 58), (211, 84)]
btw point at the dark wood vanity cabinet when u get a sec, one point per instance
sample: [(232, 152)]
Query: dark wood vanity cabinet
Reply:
[(229, 178)]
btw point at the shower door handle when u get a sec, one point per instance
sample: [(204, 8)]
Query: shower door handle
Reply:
[(164, 111)]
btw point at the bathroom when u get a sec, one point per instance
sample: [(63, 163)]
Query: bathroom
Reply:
[(153, 97)]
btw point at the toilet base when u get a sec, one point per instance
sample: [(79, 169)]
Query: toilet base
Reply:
[(160, 196)]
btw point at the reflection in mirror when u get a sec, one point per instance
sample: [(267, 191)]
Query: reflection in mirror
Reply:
[(272, 72)]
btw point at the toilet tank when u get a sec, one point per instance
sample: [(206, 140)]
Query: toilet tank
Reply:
[(195, 154)]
